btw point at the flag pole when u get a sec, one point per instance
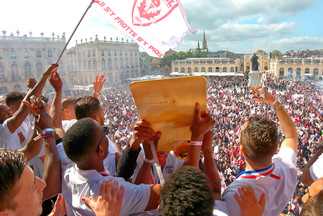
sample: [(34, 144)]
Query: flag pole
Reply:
[(73, 32)]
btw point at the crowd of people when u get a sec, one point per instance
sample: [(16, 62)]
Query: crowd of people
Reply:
[(229, 104), (86, 155)]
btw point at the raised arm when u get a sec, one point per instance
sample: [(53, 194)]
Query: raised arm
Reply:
[(210, 169), (52, 166), (202, 123), (286, 123), (16, 120), (56, 107), (97, 85)]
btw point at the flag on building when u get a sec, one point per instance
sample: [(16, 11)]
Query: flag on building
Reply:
[(156, 25)]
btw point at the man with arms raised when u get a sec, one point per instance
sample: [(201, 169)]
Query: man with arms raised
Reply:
[(273, 175)]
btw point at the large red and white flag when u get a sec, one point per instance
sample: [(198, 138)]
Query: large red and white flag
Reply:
[(156, 25)]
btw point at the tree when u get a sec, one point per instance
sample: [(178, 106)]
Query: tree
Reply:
[(276, 53)]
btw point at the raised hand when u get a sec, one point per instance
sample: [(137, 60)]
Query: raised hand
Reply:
[(142, 132), (56, 81), (109, 202), (202, 123), (97, 85), (31, 82), (268, 97)]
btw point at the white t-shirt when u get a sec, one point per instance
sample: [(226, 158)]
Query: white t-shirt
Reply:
[(277, 181), (316, 170), (8, 140), (109, 162), (220, 208), (78, 183), (67, 124), (172, 164)]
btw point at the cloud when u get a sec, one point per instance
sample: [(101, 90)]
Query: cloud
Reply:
[(241, 32), (293, 43), (212, 14)]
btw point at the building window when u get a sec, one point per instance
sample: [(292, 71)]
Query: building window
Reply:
[(307, 70), (120, 52), (196, 69), (102, 64), (14, 71), (84, 65), (121, 63), (182, 70), (298, 74), (203, 69), (94, 65), (38, 54), (281, 72), (17, 87), (3, 90), (39, 69), (49, 53), (127, 65), (131, 62), (115, 63), (109, 64), (176, 69), (210, 69), (232, 69), (290, 72), (115, 52), (89, 66), (189, 70), (217, 69), (88, 54), (224, 69), (93, 53), (315, 73), (102, 52), (26, 54), (13, 54), (2, 72), (27, 69), (109, 53)]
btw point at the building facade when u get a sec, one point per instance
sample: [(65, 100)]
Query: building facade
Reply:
[(116, 60), (25, 56), (206, 65), (263, 62), (297, 68)]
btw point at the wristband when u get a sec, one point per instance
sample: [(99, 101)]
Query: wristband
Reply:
[(148, 161), (279, 106), (46, 133), (196, 143), (273, 103)]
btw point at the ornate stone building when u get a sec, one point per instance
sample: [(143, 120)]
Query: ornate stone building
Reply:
[(117, 60), (206, 65), (263, 62), (297, 68), (25, 56)]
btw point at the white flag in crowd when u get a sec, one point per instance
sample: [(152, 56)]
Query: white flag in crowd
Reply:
[(156, 25)]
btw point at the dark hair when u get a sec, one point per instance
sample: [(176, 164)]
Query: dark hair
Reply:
[(313, 206), (259, 139), (79, 138), (187, 192), (86, 107), (13, 97), (12, 164)]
